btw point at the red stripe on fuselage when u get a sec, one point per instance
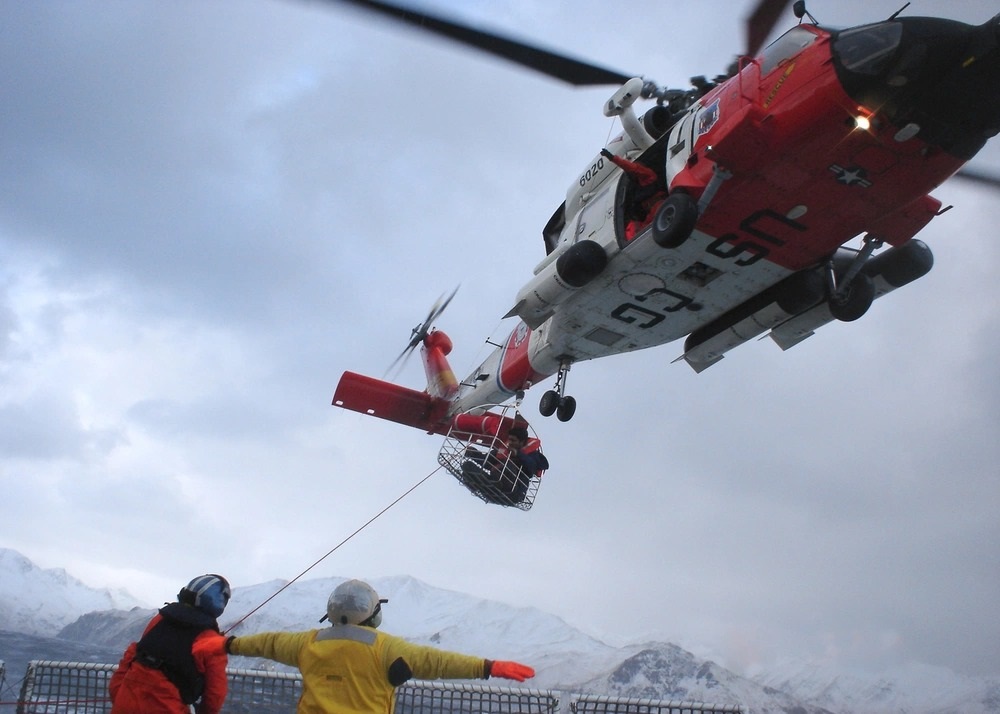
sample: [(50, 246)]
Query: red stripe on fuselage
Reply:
[(515, 370)]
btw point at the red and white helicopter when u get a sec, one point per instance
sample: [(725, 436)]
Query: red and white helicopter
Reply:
[(736, 226)]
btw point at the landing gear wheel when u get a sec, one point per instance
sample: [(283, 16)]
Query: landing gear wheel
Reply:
[(555, 400), (853, 302), (566, 409), (549, 403), (675, 220)]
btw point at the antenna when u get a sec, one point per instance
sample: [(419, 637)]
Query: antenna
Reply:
[(893, 16)]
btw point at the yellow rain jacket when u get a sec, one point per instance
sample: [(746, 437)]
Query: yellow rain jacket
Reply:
[(350, 669)]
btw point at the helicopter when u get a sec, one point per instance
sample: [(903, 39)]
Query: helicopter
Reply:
[(755, 181)]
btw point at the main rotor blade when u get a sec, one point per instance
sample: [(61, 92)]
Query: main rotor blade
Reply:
[(984, 179), (760, 23), (562, 67)]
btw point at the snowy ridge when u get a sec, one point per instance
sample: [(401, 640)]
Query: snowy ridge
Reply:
[(49, 602), (914, 687), (669, 672), (42, 602), (440, 618)]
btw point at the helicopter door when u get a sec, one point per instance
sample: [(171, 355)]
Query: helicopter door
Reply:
[(594, 217)]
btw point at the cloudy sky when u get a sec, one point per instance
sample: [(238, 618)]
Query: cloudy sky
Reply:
[(209, 211)]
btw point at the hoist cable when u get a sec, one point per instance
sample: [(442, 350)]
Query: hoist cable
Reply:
[(331, 551)]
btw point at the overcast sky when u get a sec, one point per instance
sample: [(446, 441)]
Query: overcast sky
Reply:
[(209, 211)]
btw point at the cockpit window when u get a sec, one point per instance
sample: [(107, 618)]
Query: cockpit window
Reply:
[(784, 48), (868, 50)]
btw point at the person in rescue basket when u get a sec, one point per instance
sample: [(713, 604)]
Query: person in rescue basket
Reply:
[(520, 463), (352, 668), (164, 673), (502, 475)]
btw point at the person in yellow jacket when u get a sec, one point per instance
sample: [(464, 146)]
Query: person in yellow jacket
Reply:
[(351, 667)]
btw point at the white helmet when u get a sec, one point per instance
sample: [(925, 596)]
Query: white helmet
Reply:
[(355, 602)]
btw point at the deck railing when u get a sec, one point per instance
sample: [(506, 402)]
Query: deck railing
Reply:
[(78, 688)]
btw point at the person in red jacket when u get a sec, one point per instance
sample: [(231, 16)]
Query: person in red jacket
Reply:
[(162, 673), (518, 463), (647, 195), (502, 475)]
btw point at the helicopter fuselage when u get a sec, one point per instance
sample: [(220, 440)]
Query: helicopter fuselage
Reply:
[(787, 164), (725, 212)]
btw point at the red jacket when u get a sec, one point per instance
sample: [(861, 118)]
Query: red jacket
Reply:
[(648, 198), (138, 689)]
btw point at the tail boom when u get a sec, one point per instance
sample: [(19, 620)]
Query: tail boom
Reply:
[(393, 402)]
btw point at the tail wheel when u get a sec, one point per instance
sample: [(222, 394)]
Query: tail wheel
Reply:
[(675, 220), (854, 299), (549, 403)]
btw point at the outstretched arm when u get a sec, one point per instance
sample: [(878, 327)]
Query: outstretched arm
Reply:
[(640, 173), (431, 663)]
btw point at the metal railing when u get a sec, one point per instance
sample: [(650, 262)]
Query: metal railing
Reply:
[(593, 704), (72, 687)]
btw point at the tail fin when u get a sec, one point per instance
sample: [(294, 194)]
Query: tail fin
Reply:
[(441, 381), (427, 410)]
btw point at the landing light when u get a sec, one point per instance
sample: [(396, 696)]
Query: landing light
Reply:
[(862, 122)]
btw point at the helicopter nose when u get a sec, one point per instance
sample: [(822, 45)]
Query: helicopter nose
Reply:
[(939, 75), (970, 90)]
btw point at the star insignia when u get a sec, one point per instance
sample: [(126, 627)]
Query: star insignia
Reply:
[(851, 176)]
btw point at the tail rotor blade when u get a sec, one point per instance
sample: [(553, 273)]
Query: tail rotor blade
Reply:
[(439, 307), (401, 360), (420, 332)]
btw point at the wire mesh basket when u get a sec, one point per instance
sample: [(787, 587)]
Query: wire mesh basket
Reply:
[(475, 452)]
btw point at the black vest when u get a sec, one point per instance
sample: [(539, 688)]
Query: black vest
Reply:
[(167, 647)]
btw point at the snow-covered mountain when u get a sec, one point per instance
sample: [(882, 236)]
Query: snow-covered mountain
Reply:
[(42, 602), (913, 688), (441, 618), (665, 671), (564, 657)]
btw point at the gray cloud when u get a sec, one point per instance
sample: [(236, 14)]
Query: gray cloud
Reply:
[(46, 427), (209, 211)]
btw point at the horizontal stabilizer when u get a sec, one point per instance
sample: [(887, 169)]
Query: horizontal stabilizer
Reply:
[(392, 402)]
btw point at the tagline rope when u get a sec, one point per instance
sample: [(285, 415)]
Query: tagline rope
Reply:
[(331, 551)]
